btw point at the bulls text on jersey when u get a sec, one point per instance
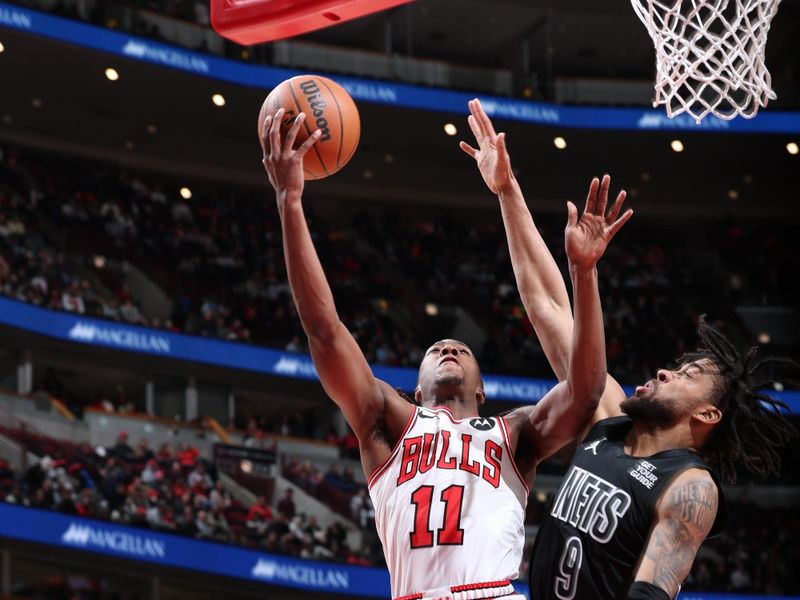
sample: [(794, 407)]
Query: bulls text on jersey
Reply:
[(441, 450), (590, 504)]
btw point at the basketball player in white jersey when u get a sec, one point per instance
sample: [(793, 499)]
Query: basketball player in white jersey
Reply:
[(449, 487)]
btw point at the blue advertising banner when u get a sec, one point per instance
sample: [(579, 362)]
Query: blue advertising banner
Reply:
[(119, 336), (55, 529), (382, 92), (119, 541)]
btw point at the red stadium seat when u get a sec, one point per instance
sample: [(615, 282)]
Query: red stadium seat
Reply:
[(254, 21)]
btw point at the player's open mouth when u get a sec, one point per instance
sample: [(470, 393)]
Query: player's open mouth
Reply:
[(647, 387), (448, 359)]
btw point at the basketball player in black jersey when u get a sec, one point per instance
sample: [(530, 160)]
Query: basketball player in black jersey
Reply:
[(641, 494)]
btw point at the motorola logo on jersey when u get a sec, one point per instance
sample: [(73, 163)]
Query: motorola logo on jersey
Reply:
[(482, 423), (450, 451), (590, 504)]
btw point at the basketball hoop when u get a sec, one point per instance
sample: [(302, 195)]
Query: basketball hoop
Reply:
[(710, 55)]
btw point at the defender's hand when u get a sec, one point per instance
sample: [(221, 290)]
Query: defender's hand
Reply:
[(491, 154), (284, 165), (586, 238)]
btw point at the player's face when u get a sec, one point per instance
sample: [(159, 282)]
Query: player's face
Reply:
[(673, 395), (449, 366)]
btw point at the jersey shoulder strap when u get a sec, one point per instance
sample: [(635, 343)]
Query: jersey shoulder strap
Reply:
[(612, 428)]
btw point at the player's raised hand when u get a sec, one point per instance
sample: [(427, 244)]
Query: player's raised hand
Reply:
[(491, 154), (587, 237), (283, 164)]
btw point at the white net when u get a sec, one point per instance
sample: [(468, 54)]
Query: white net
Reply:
[(710, 55)]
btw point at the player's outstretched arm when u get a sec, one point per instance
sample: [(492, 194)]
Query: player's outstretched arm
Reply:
[(560, 417), (342, 367), (685, 514), (538, 278), (541, 286)]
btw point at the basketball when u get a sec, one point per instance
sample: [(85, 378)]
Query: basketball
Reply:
[(329, 108)]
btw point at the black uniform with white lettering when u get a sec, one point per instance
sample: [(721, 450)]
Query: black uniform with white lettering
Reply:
[(589, 544)]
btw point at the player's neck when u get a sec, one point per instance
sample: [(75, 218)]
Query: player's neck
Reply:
[(646, 440), (455, 404)]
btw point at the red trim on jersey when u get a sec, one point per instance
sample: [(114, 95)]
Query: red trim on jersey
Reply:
[(450, 416), (479, 586), (468, 587), (507, 442), (376, 474)]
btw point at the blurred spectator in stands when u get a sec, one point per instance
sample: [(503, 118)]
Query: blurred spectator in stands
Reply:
[(187, 455), (122, 449), (349, 445), (259, 515), (740, 578), (295, 345), (219, 497), (286, 504), (330, 437), (199, 477), (357, 504), (71, 299)]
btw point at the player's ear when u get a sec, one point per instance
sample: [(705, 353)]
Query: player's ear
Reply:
[(418, 396), (480, 397), (708, 414)]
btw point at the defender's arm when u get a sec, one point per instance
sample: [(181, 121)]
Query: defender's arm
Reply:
[(540, 284), (685, 513)]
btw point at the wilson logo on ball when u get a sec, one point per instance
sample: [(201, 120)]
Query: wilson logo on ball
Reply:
[(318, 105)]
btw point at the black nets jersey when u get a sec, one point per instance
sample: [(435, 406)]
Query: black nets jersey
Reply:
[(590, 541)]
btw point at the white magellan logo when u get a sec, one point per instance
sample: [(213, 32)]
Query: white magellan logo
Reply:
[(290, 365), (88, 537), (15, 18), (126, 339), (166, 56), (326, 578), (659, 120), (496, 388)]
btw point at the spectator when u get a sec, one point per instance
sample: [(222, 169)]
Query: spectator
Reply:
[(286, 504)]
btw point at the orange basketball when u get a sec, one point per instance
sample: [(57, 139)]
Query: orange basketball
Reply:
[(328, 108)]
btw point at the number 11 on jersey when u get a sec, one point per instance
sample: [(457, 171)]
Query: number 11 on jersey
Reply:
[(450, 534)]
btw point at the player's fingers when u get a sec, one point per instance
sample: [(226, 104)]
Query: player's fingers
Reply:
[(572, 214), (486, 122), (476, 130), (275, 133), (591, 197), (265, 135), (612, 231), (473, 152), (602, 197), (306, 146), (612, 216), (502, 151), (291, 136)]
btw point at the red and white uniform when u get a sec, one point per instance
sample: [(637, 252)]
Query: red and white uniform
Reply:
[(450, 508)]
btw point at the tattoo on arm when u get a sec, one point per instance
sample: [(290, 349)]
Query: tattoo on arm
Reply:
[(689, 512)]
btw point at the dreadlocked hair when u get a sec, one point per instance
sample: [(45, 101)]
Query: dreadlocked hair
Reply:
[(753, 427)]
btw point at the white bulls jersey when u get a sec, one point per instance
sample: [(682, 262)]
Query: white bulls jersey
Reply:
[(450, 508)]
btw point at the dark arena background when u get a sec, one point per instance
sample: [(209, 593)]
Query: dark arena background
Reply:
[(162, 431)]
